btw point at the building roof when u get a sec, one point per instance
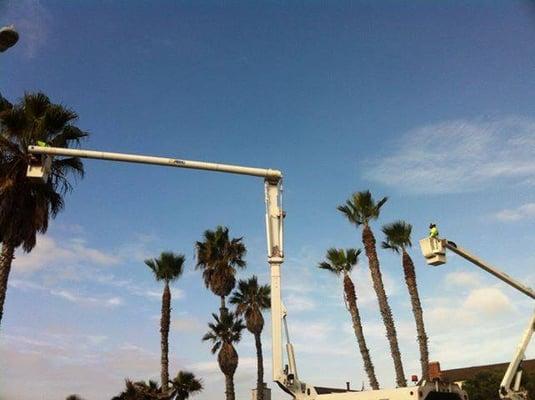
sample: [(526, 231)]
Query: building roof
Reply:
[(462, 374)]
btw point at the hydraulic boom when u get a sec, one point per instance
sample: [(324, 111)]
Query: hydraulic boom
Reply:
[(284, 375), (433, 250)]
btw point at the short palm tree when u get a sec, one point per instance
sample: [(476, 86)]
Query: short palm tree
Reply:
[(224, 333), (250, 300), (218, 257), (360, 210), (167, 268), (185, 384), (398, 239), (341, 262), (142, 391), (26, 206)]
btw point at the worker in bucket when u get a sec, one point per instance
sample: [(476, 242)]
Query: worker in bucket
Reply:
[(433, 231), (433, 234)]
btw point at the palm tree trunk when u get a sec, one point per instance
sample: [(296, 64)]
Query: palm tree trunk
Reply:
[(386, 313), (259, 368), (223, 310), (351, 299), (229, 387), (6, 257), (164, 330), (410, 280)]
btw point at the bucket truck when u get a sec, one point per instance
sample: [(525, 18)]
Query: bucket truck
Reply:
[(284, 374), (434, 250)]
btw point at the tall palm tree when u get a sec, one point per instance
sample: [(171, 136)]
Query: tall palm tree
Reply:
[(186, 384), (223, 333), (218, 257), (398, 239), (341, 262), (360, 210), (251, 299), (167, 268), (26, 206)]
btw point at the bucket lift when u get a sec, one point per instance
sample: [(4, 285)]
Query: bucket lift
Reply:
[(285, 375), (39, 168), (434, 251)]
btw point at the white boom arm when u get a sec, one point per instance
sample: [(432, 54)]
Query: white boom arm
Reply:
[(287, 377), (434, 251), (274, 220)]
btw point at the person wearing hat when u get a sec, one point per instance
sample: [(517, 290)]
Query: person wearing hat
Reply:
[(433, 231)]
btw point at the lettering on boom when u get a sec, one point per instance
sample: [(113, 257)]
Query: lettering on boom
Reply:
[(178, 162)]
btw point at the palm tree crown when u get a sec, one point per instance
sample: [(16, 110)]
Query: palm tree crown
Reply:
[(219, 256), (361, 208), (226, 330), (397, 236), (168, 267), (250, 299), (25, 206), (340, 261), (186, 384)]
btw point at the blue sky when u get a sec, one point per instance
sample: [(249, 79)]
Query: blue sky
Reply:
[(430, 104)]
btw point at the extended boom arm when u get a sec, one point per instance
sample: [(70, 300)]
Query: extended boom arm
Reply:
[(274, 217), (434, 251)]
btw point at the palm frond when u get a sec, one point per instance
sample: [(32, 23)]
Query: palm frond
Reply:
[(168, 267), (397, 235)]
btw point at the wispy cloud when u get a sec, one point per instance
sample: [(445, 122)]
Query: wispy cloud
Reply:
[(523, 212), (462, 278), (68, 295), (458, 156), (50, 252)]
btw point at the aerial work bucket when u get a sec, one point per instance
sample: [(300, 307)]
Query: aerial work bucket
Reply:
[(39, 168), (433, 251)]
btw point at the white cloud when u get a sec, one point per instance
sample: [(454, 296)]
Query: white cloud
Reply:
[(488, 302), (186, 324), (297, 303), (68, 295), (523, 212), (462, 278), (459, 156), (50, 252)]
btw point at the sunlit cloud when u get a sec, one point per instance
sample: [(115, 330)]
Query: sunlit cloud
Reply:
[(523, 212), (458, 156)]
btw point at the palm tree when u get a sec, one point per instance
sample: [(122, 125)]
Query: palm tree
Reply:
[(73, 397), (26, 206), (360, 210), (398, 239), (168, 267), (251, 299), (218, 257), (341, 262), (142, 391), (185, 384), (223, 334)]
